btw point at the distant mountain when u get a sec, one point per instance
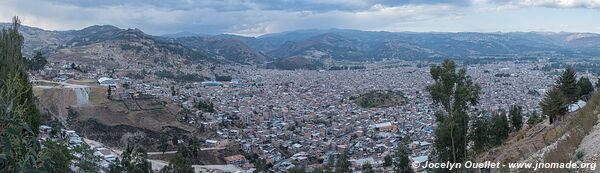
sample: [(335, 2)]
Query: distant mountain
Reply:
[(307, 46), (229, 49), (184, 34)]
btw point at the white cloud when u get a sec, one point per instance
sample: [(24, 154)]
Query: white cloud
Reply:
[(252, 21)]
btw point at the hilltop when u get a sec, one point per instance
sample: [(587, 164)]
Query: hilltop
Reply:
[(553, 143), (319, 45)]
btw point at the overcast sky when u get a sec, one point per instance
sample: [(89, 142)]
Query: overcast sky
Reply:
[(259, 17)]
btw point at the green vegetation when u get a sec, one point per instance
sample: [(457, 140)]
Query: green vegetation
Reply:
[(366, 168), (580, 124), (516, 117), (480, 134), (585, 86), (348, 67), (554, 104), (567, 83), (293, 63), (180, 164), (297, 169), (342, 164), (12, 69), (179, 76), (206, 106), (380, 98), (19, 116), (56, 157), (36, 63), (87, 162), (500, 128), (135, 160), (454, 91), (566, 91), (402, 165), (223, 78)]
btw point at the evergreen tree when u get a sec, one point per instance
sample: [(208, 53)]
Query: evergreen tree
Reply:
[(500, 128), (163, 143), (180, 164), (297, 169), (12, 66), (55, 157), (554, 104), (585, 86), (135, 160), (19, 117), (567, 83), (516, 117), (402, 165), (342, 165), (366, 168), (480, 134), (36, 63), (87, 162), (330, 164), (388, 161), (454, 91), (116, 167)]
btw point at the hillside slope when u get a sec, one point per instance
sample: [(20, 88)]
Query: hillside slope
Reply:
[(553, 143)]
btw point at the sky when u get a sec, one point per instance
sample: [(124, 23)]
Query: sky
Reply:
[(253, 18)]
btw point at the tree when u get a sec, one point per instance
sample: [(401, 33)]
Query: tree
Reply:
[(388, 161), (516, 117), (19, 117), (500, 128), (585, 86), (56, 157), (116, 167), (297, 169), (163, 143), (342, 165), (173, 91), (402, 165), (454, 91), (87, 162), (554, 104), (36, 63), (12, 68), (366, 168), (180, 164), (480, 134), (135, 160), (330, 163), (567, 83)]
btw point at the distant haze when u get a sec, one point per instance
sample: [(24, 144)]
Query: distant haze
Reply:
[(253, 18)]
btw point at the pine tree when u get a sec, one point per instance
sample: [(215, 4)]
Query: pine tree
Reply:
[(366, 168), (516, 117), (567, 82), (585, 86), (402, 165), (87, 162), (19, 117), (12, 65), (454, 91), (500, 128), (342, 165), (135, 160), (554, 105), (180, 164), (480, 134), (55, 157)]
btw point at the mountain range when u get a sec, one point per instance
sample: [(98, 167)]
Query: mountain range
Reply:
[(306, 45)]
